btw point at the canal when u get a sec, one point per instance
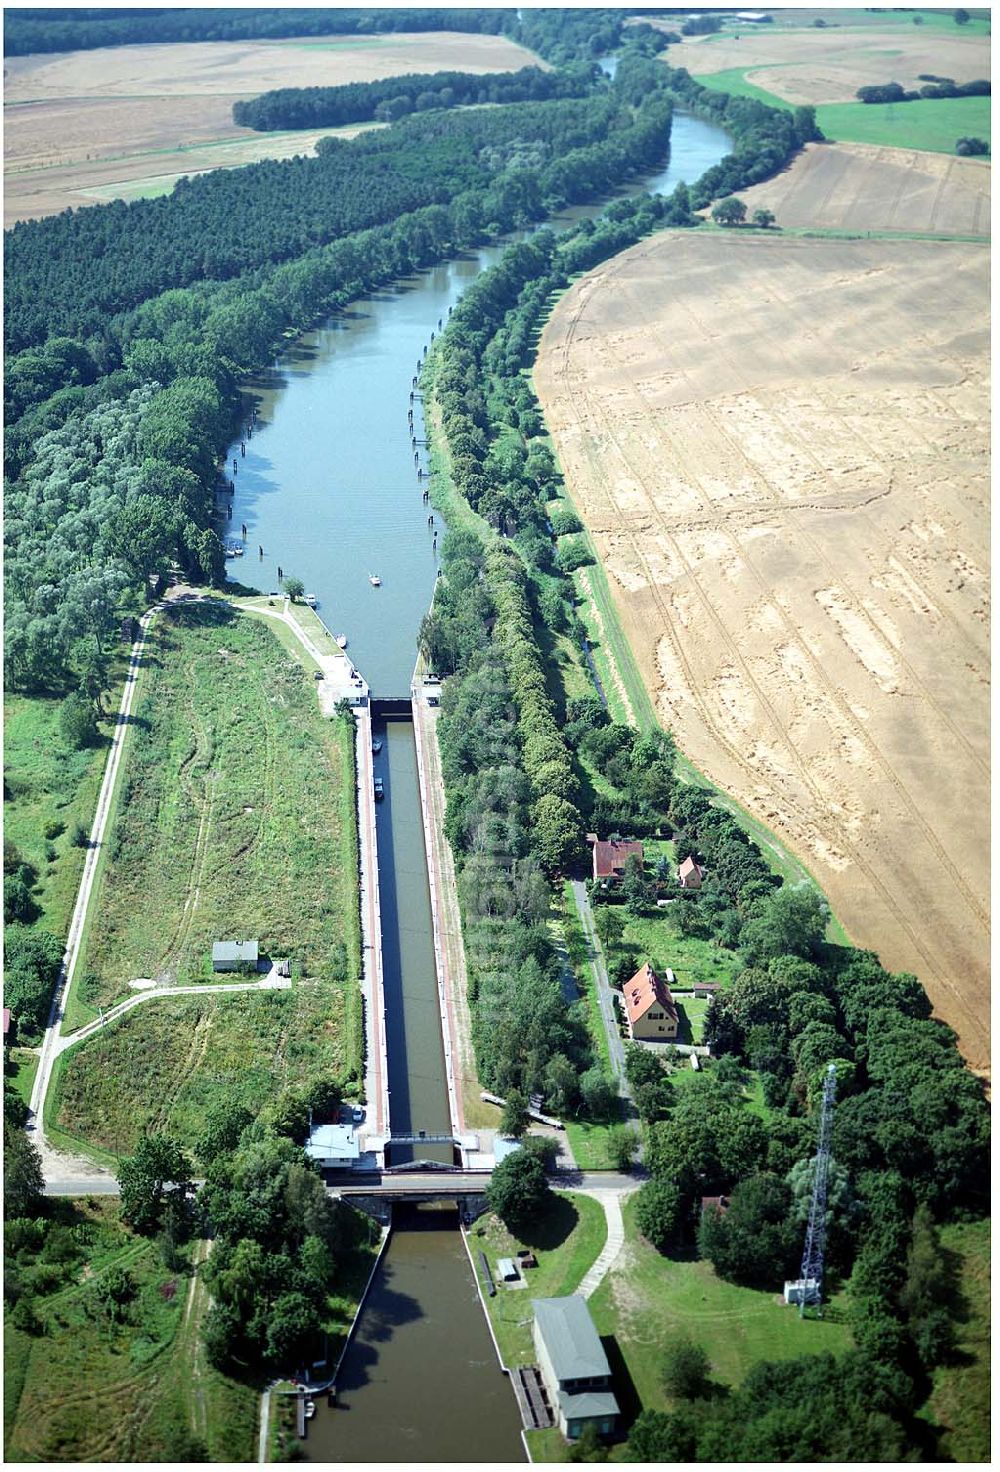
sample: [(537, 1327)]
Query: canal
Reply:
[(328, 491)]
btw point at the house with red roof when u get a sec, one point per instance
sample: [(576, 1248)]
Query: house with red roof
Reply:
[(690, 874), (610, 856), (650, 1009)]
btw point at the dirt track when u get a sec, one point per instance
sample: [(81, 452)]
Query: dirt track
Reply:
[(853, 186), (85, 119), (780, 448)]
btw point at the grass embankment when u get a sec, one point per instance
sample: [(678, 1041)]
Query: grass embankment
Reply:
[(51, 788), (163, 1065), (960, 1400), (86, 1389), (234, 817), (567, 1241), (929, 125)]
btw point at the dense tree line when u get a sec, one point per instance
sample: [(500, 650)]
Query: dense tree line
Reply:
[(893, 92), (66, 274), (391, 98), (85, 28), (766, 137)]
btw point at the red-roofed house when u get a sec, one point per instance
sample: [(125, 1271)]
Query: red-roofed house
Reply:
[(690, 874), (610, 856), (719, 1204), (652, 1015)]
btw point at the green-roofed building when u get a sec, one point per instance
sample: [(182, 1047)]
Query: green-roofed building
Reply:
[(574, 1366)]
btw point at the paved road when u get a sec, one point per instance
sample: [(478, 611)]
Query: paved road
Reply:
[(604, 992), (50, 1048)]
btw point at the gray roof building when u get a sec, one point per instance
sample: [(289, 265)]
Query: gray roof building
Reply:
[(573, 1365), (228, 954)]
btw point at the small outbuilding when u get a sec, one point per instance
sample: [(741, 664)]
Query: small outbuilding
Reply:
[(573, 1366), (690, 874), (705, 989), (507, 1270), (333, 1147), (718, 1204), (234, 955)]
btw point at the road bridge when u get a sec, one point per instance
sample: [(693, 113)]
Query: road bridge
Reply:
[(421, 1183)]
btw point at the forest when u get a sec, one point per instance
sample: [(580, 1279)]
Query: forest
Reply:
[(85, 27), (395, 97), (557, 35)]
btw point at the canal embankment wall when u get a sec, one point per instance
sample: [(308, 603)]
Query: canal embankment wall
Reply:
[(372, 972), (444, 963)]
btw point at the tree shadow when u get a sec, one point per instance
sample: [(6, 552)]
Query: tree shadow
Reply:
[(551, 1230)]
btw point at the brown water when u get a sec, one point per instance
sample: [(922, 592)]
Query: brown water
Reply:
[(421, 1382)]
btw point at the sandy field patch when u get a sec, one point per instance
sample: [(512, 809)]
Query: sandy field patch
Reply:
[(75, 108), (855, 186), (830, 65), (780, 449)]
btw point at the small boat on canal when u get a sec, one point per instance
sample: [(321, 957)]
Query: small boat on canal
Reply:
[(375, 580), (310, 598), (376, 746), (341, 641)]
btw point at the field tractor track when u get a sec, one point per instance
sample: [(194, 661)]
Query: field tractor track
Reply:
[(727, 641)]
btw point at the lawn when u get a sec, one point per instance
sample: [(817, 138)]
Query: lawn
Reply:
[(83, 1389), (163, 1065), (960, 1400), (648, 1300), (234, 817), (567, 1241), (655, 938), (50, 788), (21, 1068)]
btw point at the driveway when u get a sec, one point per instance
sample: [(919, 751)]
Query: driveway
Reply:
[(595, 955)]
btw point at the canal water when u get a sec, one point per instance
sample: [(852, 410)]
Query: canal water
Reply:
[(329, 491)]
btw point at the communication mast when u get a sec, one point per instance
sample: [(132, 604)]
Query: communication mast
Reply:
[(808, 1288)]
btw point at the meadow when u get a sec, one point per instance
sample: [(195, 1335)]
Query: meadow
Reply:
[(166, 1064), (80, 1387), (50, 789), (234, 817)]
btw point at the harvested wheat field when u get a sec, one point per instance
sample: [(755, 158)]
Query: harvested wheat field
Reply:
[(81, 120), (780, 450), (854, 186), (812, 66)]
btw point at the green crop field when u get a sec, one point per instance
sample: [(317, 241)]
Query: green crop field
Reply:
[(932, 126), (80, 1388), (566, 1242), (163, 1065), (235, 816)]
